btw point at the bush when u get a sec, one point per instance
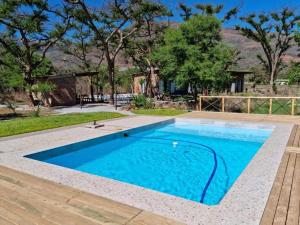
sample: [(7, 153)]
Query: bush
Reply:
[(140, 101), (36, 112)]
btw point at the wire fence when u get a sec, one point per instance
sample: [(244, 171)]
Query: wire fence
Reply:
[(251, 104)]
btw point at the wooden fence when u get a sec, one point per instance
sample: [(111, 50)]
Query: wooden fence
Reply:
[(251, 104)]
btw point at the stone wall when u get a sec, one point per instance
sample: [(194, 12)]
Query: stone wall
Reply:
[(264, 90), (174, 105)]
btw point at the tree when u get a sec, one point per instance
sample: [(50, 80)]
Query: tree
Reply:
[(11, 77), (194, 55), (297, 35), (274, 32), (112, 24), (293, 74), (80, 45), (186, 11), (143, 42), (207, 9), (29, 28)]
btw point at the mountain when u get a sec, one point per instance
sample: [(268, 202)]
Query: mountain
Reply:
[(248, 50)]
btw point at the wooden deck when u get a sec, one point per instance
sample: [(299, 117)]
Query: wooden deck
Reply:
[(25, 199), (283, 206)]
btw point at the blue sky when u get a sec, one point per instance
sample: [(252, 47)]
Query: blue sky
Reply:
[(245, 6)]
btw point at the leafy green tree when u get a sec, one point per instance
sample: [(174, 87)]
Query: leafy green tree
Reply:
[(293, 74), (275, 33), (30, 28), (112, 23), (11, 74), (140, 46), (11, 78), (194, 55)]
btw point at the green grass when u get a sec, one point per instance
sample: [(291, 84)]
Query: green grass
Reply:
[(30, 124), (159, 112)]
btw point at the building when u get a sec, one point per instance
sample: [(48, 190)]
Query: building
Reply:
[(68, 88), (236, 85)]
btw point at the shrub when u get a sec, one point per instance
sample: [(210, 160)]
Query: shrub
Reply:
[(140, 101)]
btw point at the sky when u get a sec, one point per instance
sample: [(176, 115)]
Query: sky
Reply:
[(245, 6)]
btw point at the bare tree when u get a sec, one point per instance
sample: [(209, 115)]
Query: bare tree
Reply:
[(274, 32), (112, 24), (80, 45)]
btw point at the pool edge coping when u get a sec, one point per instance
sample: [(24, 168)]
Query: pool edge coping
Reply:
[(93, 183)]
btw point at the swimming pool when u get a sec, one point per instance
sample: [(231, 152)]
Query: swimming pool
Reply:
[(195, 161)]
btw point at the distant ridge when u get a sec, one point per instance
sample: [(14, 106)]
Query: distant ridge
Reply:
[(248, 51)]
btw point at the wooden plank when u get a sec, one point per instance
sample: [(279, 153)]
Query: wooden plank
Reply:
[(4, 221), (45, 202), (297, 138), (200, 103), (294, 205), (62, 193), (37, 207), (293, 107), (283, 203), (293, 149), (292, 136), (84, 203), (147, 218), (269, 212), (18, 215), (249, 105), (270, 106), (89, 205), (223, 104)]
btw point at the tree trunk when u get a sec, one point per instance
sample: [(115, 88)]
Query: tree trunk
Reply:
[(111, 80), (148, 85), (152, 82), (195, 94), (28, 79), (272, 83), (92, 89)]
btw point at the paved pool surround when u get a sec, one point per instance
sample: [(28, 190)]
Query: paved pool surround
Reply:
[(243, 204)]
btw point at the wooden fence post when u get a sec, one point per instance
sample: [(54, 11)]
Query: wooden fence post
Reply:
[(293, 106), (249, 105), (271, 103), (200, 103), (223, 104)]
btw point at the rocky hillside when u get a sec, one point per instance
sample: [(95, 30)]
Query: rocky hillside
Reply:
[(248, 49)]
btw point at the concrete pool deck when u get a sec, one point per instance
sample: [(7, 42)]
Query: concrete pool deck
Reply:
[(243, 204)]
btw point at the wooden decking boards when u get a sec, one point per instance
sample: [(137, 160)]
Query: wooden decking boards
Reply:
[(25, 199), (283, 205)]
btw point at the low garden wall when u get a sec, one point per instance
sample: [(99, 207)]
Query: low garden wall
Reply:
[(264, 90)]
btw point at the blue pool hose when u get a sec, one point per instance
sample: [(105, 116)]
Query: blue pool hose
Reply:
[(190, 142)]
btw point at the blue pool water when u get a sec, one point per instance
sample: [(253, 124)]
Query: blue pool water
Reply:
[(182, 158)]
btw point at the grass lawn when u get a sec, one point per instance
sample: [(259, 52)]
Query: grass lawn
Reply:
[(159, 112), (30, 124)]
